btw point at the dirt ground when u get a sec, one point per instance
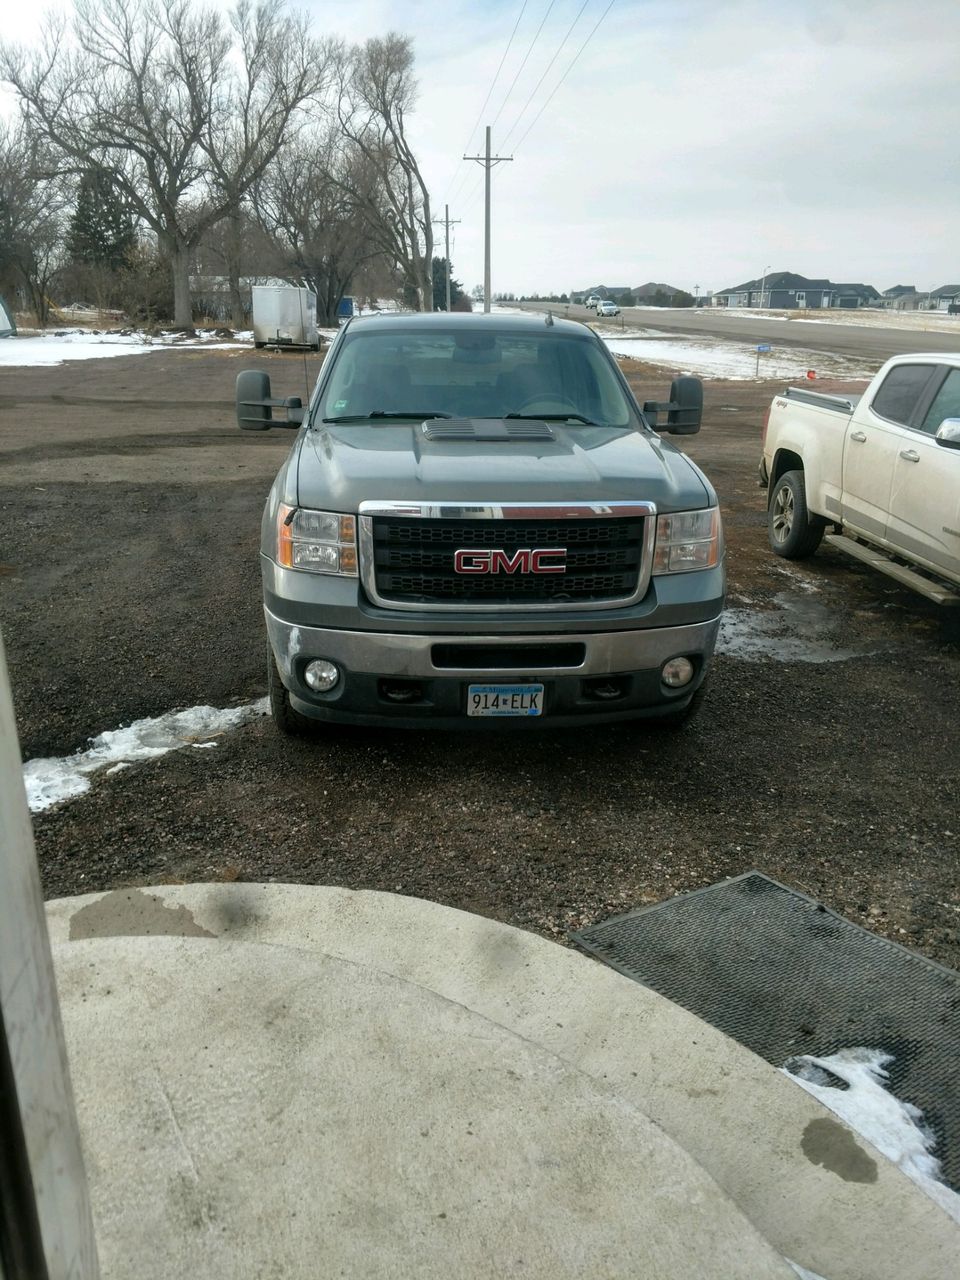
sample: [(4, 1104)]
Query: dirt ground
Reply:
[(129, 586)]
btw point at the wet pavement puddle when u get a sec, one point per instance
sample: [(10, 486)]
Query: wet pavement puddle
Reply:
[(799, 629)]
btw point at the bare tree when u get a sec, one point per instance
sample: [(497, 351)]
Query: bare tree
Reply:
[(377, 93), (150, 92), (304, 203), (33, 216)]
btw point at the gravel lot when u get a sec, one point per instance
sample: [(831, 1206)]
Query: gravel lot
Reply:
[(129, 586)]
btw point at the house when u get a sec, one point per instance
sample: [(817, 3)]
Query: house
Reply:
[(653, 294), (613, 291), (946, 298), (787, 291), (854, 295), (901, 297), (650, 294)]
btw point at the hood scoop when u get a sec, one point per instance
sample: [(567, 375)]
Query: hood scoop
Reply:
[(500, 429)]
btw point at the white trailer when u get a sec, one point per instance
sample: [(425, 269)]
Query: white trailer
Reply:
[(284, 316)]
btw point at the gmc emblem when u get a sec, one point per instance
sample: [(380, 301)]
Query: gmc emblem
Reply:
[(485, 560)]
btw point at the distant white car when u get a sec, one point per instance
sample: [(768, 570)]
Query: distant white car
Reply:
[(591, 302), (606, 308)]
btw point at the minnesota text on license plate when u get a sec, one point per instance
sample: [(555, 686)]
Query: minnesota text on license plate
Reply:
[(504, 699)]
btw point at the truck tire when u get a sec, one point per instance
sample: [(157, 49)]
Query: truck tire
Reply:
[(289, 722), (677, 719), (792, 532)]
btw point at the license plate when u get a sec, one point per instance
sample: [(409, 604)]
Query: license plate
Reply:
[(504, 699)]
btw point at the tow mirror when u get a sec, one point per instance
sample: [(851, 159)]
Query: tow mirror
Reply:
[(255, 405), (684, 409), (948, 433)]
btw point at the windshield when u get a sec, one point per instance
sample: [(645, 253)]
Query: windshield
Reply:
[(472, 374)]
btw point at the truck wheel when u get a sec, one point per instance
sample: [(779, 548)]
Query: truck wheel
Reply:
[(288, 721), (792, 532), (677, 719)]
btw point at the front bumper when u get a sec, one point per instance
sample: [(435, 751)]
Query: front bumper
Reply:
[(587, 676)]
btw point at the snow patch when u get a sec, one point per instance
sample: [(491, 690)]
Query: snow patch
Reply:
[(52, 780), (56, 348), (897, 1129), (802, 1272), (736, 361)]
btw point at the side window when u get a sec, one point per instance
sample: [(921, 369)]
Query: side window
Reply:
[(900, 391), (946, 404)]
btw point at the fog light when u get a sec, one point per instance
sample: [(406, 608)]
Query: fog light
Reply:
[(677, 672), (321, 675)]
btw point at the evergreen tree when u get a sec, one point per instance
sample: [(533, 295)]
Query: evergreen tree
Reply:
[(101, 229), (440, 286)]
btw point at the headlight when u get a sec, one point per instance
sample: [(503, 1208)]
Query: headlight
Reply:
[(688, 540), (318, 541)]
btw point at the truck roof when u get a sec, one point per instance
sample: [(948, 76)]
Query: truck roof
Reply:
[(511, 321)]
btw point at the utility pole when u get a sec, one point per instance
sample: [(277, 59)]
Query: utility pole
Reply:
[(488, 161), (763, 285), (448, 222)]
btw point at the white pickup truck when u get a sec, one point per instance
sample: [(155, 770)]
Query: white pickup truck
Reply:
[(878, 474)]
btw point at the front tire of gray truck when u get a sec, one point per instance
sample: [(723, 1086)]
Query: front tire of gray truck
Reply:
[(288, 721), (678, 719), (793, 533)]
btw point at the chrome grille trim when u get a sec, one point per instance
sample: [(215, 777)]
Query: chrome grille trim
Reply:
[(505, 511)]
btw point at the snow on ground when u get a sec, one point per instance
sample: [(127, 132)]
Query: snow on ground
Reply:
[(895, 1128), (49, 781), (82, 344), (802, 1272), (934, 321), (931, 321), (736, 360), (718, 357)]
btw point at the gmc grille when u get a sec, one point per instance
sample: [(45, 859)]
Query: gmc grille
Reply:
[(413, 560)]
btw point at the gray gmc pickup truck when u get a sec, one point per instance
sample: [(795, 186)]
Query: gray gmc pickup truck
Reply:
[(477, 523)]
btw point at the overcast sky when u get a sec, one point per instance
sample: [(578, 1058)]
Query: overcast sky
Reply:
[(693, 142)]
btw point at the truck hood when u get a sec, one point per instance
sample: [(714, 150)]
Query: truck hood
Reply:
[(342, 466)]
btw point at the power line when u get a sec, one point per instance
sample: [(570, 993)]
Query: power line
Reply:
[(493, 84), (565, 74), (475, 190), (497, 76), (524, 62), (547, 71)]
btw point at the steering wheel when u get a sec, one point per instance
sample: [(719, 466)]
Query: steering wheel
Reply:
[(545, 398)]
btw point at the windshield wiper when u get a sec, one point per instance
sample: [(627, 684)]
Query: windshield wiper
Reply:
[(379, 414), (553, 417)]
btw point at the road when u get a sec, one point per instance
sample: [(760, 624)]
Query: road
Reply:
[(844, 339)]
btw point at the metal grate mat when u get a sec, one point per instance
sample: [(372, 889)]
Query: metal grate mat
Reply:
[(783, 975)]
